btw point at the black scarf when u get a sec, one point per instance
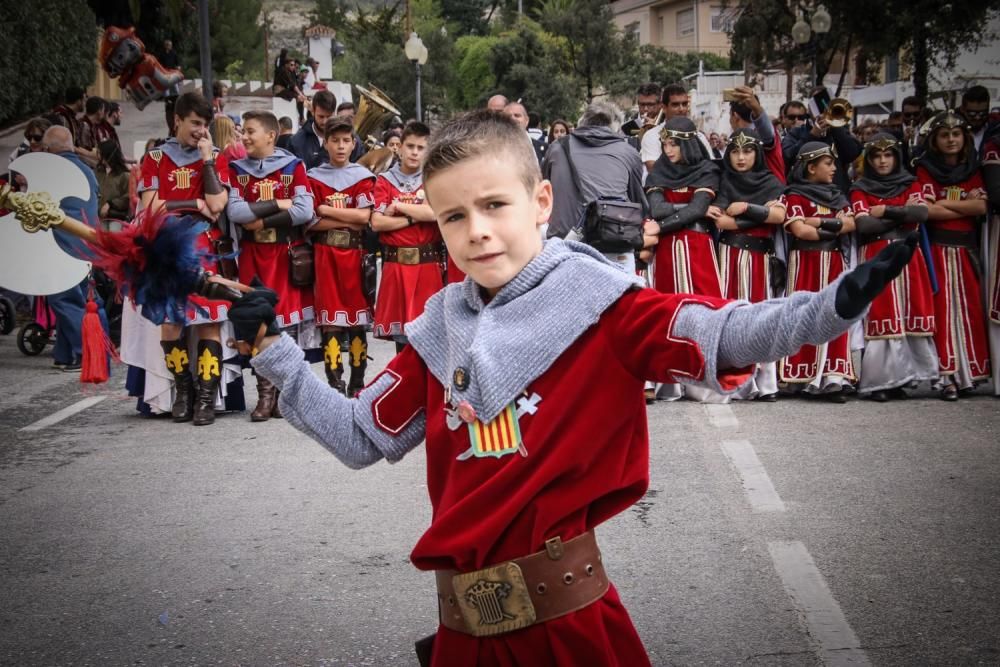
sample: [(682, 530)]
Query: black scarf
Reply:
[(884, 187), (695, 170), (823, 194), (757, 186), (949, 174)]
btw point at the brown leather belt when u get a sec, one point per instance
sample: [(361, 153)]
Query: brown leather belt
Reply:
[(826, 246), (563, 578), (758, 244), (412, 255), (894, 234), (699, 226), (349, 239), (953, 238), (272, 235)]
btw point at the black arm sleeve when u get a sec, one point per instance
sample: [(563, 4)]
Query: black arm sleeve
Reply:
[(263, 209), (659, 207), (279, 219), (694, 211), (826, 234), (210, 179), (831, 225), (182, 204), (869, 225), (991, 177), (757, 213)]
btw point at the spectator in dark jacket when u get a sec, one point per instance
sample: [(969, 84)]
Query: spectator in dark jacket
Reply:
[(847, 145), (307, 144)]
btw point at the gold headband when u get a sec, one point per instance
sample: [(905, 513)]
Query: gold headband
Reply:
[(947, 119), (881, 145), (742, 140), (676, 134), (830, 150)]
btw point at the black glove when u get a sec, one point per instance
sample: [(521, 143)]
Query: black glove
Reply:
[(253, 309), (860, 287)]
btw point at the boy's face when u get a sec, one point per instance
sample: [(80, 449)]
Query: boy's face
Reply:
[(411, 152), (488, 219), (258, 141), (190, 129), (883, 162), (822, 170), (339, 146)]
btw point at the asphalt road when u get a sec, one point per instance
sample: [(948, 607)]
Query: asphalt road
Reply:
[(794, 533)]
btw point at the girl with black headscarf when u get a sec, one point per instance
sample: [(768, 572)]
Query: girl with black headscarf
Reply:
[(888, 205), (818, 218), (746, 211), (680, 188), (948, 173)]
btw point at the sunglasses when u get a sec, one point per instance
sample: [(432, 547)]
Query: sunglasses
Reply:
[(975, 114), (33, 137), (797, 116), (911, 114)]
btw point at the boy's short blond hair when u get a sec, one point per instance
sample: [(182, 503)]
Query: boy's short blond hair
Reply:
[(479, 134)]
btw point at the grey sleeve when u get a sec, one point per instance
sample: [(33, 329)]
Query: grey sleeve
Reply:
[(741, 334), (238, 209), (343, 426), (302, 207), (764, 128)]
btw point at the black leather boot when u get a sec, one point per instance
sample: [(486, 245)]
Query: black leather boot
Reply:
[(209, 376), (359, 362), (176, 356), (332, 363)]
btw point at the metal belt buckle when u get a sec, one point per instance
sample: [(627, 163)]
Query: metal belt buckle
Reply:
[(494, 600), (409, 256), (269, 235), (339, 238)]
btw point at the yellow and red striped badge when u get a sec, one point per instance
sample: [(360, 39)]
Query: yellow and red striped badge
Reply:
[(497, 438)]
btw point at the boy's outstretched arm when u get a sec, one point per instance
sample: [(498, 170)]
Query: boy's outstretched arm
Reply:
[(745, 334), (357, 431)]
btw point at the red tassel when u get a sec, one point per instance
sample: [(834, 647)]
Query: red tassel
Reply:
[(96, 347)]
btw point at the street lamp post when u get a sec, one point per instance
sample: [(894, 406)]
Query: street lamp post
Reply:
[(416, 53), (802, 33)]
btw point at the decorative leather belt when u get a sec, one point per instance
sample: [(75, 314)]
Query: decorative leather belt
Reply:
[(566, 576), (412, 255), (825, 246), (892, 235), (758, 244), (700, 227), (272, 235), (349, 239), (953, 238)]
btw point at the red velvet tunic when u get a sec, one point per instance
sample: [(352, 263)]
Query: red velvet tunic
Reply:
[(586, 460), (404, 288), (173, 183), (685, 260), (907, 307), (811, 271), (958, 308), (269, 261), (340, 297), (745, 274)]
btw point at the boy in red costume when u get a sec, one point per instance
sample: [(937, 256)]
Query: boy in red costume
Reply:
[(271, 202), (344, 195), (411, 243), (521, 465)]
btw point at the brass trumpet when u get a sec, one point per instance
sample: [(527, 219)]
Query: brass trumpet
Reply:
[(839, 113), (375, 108)]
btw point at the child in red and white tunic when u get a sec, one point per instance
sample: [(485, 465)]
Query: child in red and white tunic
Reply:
[(899, 345), (747, 211), (411, 243), (521, 464), (991, 180), (949, 176), (344, 194), (271, 203), (818, 218), (188, 175), (680, 187)]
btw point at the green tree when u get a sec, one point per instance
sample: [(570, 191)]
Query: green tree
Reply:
[(31, 36), (593, 42), (648, 63), (235, 36)]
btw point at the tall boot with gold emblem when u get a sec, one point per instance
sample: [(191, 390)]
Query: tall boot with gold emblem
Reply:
[(359, 361), (267, 400), (332, 362), (209, 376), (176, 356)]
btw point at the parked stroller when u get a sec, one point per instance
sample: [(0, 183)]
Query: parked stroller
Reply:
[(35, 335)]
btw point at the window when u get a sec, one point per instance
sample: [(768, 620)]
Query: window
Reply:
[(685, 23), (632, 31), (661, 30), (723, 18)]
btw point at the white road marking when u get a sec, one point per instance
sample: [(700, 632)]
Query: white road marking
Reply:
[(720, 415), (838, 645), (759, 489), (65, 413)]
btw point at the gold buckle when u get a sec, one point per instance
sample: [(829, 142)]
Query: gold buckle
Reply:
[(409, 256), (339, 238), (269, 235), (494, 600)]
